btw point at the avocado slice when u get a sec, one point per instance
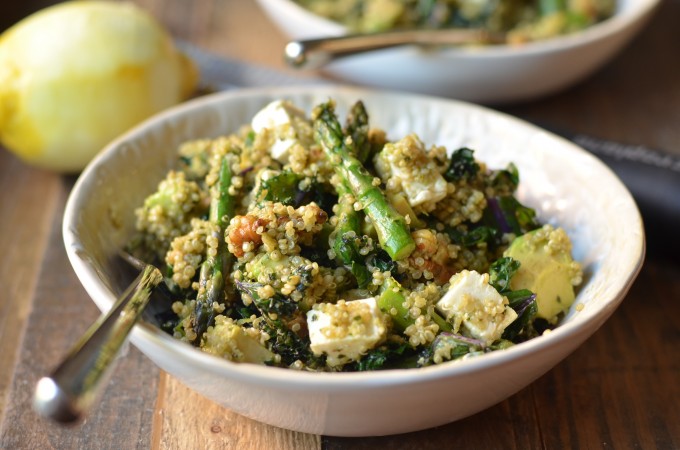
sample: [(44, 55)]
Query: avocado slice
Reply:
[(546, 268)]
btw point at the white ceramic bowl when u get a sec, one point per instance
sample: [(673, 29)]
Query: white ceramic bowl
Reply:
[(565, 184), (491, 75)]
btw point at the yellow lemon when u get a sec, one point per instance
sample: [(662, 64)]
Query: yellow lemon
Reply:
[(75, 75)]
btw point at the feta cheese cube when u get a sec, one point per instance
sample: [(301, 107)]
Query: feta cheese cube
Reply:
[(406, 164), (475, 307), (345, 331), (280, 118), (280, 151), (419, 193)]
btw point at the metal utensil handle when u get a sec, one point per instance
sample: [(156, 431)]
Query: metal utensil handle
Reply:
[(68, 392), (314, 53)]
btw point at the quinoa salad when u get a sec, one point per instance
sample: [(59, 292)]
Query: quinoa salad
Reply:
[(521, 20), (319, 243)]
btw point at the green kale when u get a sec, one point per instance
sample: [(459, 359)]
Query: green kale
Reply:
[(348, 247), (500, 273), (387, 356), (524, 304), (449, 346), (508, 178), (290, 346), (275, 306), (296, 190), (475, 236), (380, 260), (508, 215), (282, 188), (523, 301), (462, 165)]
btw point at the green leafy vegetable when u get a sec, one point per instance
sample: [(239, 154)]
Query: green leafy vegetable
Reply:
[(508, 215), (500, 273), (462, 165), (476, 236), (386, 356), (523, 301)]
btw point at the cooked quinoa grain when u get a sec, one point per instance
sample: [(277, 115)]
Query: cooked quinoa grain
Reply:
[(305, 243)]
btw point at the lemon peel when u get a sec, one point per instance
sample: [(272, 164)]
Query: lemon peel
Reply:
[(76, 75)]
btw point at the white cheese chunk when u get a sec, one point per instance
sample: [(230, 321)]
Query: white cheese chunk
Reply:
[(419, 193), (280, 151), (407, 164), (279, 117), (275, 114), (345, 331), (475, 307)]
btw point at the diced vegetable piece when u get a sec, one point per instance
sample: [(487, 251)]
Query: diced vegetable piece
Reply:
[(229, 340), (547, 269)]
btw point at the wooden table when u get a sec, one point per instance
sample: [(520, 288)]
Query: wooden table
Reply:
[(620, 390)]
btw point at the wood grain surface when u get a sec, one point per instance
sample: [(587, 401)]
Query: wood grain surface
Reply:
[(620, 390)]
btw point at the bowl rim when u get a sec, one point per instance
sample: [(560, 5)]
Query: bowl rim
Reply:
[(626, 15), (590, 318)]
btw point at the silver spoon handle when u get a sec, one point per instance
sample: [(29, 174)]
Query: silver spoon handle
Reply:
[(314, 53), (67, 393)]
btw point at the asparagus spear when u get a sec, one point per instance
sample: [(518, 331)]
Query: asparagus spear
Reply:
[(348, 233), (391, 301), (357, 128), (212, 275), (347, 236), (393, 232)]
